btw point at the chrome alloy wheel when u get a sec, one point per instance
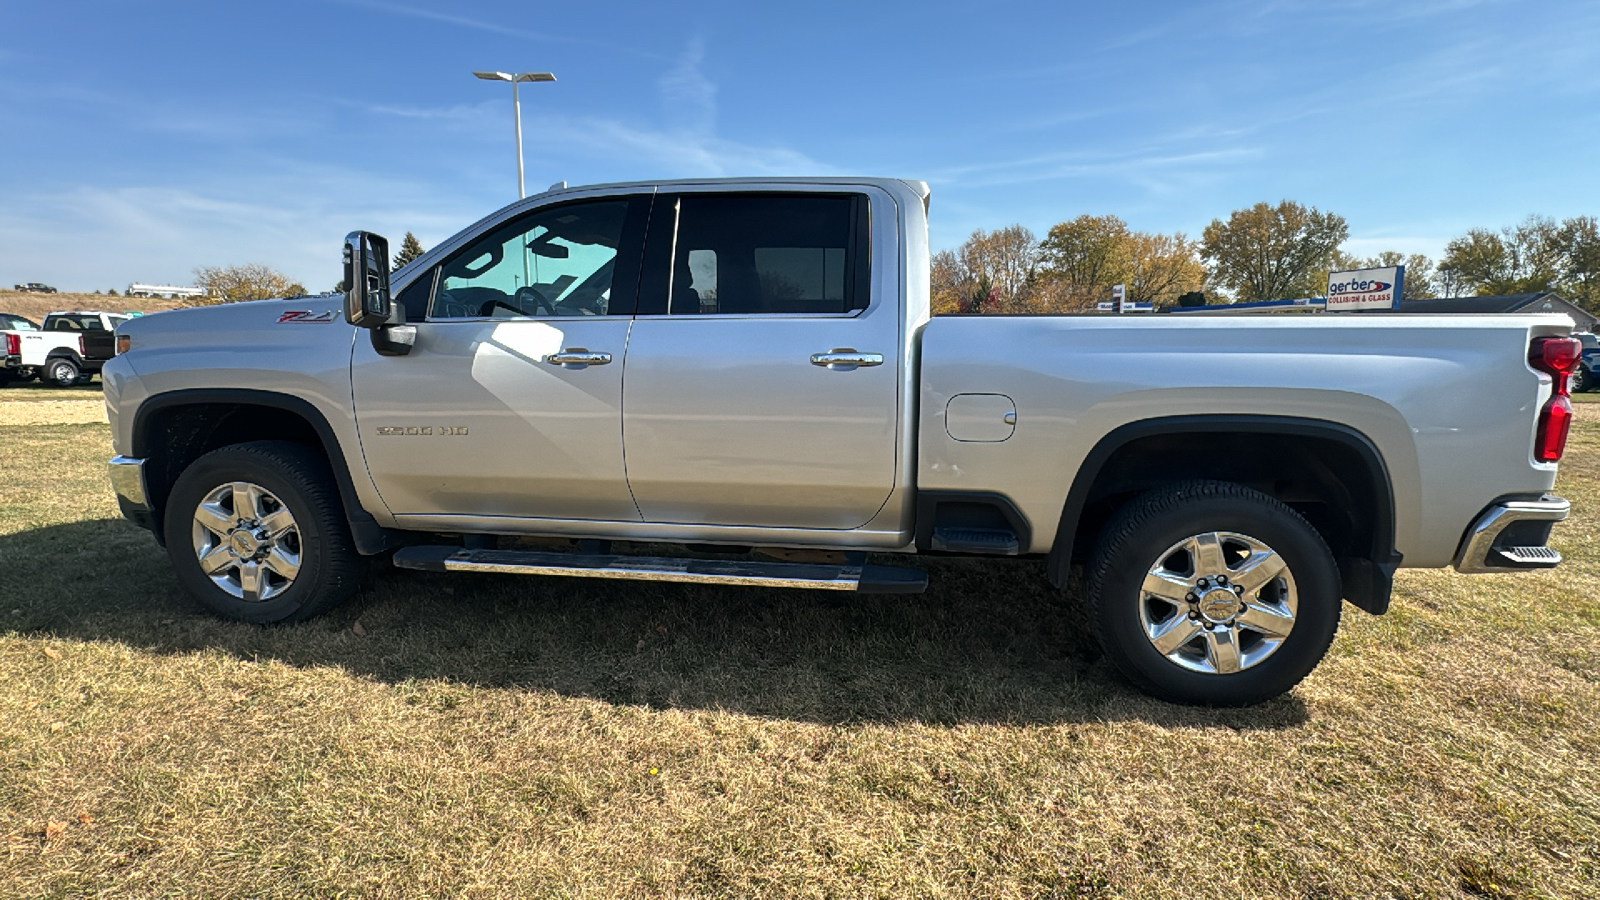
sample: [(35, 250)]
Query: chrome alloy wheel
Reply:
[(1218, 602), (247, 541)]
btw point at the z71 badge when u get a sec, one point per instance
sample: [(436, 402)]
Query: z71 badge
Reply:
[(307, 317)]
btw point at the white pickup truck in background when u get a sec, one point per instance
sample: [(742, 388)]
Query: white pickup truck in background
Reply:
[(733, 364), (69, 348)]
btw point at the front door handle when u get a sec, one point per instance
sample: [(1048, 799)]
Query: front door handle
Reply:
[(578, 358), (846, 359)]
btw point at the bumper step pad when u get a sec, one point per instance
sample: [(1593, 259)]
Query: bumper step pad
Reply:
[(975, 540), (1529, 557)]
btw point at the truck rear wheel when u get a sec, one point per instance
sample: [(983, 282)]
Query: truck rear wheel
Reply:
[(61, 372), (1210, 593), (256, 532)]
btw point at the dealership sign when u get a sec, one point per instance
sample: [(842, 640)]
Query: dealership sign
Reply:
[(1365, 289)]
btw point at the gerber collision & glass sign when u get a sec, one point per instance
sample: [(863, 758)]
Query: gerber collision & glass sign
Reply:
[(1365, 289)]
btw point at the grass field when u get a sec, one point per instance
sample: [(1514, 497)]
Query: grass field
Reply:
[(496, 737), (36, 306)]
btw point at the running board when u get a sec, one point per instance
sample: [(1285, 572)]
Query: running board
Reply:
[(861, 578)]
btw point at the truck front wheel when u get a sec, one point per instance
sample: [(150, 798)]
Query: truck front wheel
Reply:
[(256, 532), (1210, 593)]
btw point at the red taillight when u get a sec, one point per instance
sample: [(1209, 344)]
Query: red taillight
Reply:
[(14, 345), (1550, 441), (1557, 357), (83, 346)]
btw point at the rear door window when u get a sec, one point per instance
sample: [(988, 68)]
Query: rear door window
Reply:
[(766, 254)]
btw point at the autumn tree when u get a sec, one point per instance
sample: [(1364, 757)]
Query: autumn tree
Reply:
[(1084, 257), (1162, 267), (947, 282), (410, 248), (1006, 258), (1539, 254), (1581, 238), (251, 281), (990, 272), (1270, 252), (1087, 255)]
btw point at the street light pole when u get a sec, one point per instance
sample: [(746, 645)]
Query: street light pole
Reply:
[(516, 109)]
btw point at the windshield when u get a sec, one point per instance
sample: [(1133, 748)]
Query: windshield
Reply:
[(74, 323), (17, 323)]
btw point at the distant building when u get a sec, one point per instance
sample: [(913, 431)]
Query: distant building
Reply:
[(1545, 301)]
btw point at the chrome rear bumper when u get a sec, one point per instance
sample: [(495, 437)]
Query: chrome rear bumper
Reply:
[(1510, 536)]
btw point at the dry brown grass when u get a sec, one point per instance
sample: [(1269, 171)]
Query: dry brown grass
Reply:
[(76, 409), (36, 306), (503, 737)]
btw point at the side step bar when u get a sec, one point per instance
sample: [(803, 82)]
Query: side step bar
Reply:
[(861, 578)]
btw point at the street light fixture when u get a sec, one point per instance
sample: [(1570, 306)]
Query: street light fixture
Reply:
[(516, 108)]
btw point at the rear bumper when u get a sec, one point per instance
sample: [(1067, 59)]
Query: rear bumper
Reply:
[(127, 480), (1511, 536)]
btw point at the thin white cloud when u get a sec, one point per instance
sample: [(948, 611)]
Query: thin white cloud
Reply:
[(400, 9), (160, 234), (684, 142), (690, 98)]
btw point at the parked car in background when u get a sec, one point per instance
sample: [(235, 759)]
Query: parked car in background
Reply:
[(34, 287), (70, 348), (1588, 372), (14, 322)]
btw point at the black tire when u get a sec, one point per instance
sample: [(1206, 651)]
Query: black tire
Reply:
[(300, 480), (1582, 380), (60, 372), (1134, 542)]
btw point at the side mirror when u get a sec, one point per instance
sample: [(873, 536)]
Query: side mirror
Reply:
[(366, 276)]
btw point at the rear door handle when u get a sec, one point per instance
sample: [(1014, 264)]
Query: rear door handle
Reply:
[(578, 358), (846, 359)]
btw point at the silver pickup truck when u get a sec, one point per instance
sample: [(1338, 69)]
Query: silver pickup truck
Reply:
[(735, 365)]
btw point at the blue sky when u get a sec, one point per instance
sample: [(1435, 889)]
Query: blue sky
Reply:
[(142, 139)]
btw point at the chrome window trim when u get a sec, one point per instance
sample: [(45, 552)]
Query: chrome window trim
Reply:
[(763, 317), (448, 320)]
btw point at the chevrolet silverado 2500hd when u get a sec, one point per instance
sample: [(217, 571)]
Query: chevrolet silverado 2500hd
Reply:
[(751, 363)]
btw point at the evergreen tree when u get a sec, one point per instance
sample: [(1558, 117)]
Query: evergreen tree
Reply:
[(410, 248)]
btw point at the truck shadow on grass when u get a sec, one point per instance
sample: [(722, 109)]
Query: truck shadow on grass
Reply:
[(989, 642)]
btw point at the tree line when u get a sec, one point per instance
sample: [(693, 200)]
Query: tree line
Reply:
[(1263, 252), (254, 281)]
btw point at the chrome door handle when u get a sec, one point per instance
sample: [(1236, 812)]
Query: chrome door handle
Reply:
[(578, 357), (846, 359)]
